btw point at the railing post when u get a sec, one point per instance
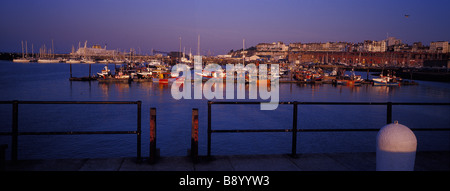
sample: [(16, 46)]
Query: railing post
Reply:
[(139, 104), (194, 135), (15, 130), (389, 113), (3, 157), (153, 151), (294, 130), (209, 128)]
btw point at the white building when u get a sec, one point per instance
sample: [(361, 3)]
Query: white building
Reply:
[(252, 58), (224, 56), (272, 47), (95, 50), (390, 41)]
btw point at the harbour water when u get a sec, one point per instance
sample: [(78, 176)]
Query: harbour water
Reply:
[(50, 82)]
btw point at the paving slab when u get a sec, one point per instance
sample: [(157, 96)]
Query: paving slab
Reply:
[(102, 164), (130, 164), (356, 161), (425, 161), (175, 163), (262, 163), (215, 163), (432, 161)]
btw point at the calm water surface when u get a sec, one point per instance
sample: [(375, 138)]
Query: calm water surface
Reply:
[(50, 82)]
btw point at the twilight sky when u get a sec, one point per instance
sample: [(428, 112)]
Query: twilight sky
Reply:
[(158, 24)]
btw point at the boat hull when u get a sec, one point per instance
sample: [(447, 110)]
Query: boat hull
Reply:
[(48, 61), (21, 60), (73, 61)]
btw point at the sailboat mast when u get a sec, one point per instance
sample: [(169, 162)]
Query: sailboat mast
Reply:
[(243, 48), (198, 45), (179, 53), (22, 50), (53, 50)]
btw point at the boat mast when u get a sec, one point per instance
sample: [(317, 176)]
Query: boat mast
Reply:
[(179, 53), (22, 50), (243, 48), (198, 46), (53, 51)]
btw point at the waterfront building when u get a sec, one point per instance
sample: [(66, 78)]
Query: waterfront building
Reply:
[(95, 50), (439, 47), (272, 47), (391, 41)]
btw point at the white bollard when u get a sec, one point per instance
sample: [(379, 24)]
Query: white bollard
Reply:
[(396, 148)]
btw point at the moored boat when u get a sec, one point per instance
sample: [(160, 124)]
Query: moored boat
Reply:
[(386, 81), (48, 60), (73, 61), (104, 73)]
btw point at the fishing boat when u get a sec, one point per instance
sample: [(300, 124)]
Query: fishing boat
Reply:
[(48, 57), (48, 60), (346, 80), (88, 61), (73, 61), (144, 74), (212, 74), (23, 59), (104, 73)]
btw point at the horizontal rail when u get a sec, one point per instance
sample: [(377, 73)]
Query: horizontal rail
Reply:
[(327, 103), (15, 127), (69, 102)]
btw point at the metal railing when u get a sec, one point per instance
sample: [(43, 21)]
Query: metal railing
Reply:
[(15, 123), (294, 128)]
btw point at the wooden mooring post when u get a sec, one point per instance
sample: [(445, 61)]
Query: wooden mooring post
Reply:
[(153, 150), (194, 136)]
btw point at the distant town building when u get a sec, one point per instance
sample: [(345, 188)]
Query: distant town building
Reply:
[(320, 47), (272, 47), (439, 47), (374, 46), (95, 50)]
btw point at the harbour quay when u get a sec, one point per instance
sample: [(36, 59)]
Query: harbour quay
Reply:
[(333, 161)]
